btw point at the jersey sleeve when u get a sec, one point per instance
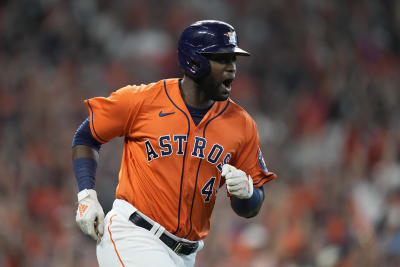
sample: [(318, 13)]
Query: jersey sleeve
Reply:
[(113, 116), (250, 159)]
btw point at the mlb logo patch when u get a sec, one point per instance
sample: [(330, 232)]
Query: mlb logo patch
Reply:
[(261, 161), (231, 37)]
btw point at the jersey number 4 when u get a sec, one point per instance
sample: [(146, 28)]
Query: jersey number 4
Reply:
[(207, 189)]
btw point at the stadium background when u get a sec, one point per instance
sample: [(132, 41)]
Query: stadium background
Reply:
[(322, 84)]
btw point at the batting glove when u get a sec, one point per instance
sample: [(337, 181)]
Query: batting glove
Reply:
[(237, 182), (90, 214)]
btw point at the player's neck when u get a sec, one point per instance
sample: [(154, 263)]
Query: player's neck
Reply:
[(192, 95)]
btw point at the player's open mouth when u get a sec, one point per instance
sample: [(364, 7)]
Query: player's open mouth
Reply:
[(227, 83)]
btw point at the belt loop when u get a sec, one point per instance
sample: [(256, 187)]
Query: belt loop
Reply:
[(155, 228), (160, 231)]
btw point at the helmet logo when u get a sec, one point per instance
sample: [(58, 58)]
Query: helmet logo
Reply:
[(232, 37)]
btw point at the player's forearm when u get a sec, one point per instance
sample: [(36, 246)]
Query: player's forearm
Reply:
[(248, 208)]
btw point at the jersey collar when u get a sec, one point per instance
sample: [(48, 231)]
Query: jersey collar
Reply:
[(171, 88)]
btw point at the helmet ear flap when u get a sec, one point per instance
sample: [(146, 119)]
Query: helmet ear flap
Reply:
[(195, 65)]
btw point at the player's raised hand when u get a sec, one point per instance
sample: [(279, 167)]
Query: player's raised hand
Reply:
[(90, 214), (237, 182)]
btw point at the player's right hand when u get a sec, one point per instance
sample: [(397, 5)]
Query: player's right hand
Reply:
[(90, 214)]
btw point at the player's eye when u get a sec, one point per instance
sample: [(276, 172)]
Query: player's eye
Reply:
[(222, 58)]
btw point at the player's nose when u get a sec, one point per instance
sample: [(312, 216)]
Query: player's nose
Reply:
[(231, 68)]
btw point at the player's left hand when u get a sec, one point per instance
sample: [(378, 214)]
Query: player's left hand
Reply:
[(237, 182)]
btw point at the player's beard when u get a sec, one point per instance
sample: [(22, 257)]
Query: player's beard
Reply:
[(213, 88)]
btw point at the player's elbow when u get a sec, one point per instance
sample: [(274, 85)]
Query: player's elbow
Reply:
[(248, 208), (245, 213)]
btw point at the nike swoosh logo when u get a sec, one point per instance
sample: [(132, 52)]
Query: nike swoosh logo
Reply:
[(161, 114)]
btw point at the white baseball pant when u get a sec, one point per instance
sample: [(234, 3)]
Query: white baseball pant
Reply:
[(126, 244)]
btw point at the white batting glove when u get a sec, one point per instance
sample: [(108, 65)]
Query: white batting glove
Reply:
[(237, 182), (90, 214)]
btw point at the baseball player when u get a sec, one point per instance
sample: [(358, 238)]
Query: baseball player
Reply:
[(183, 139)]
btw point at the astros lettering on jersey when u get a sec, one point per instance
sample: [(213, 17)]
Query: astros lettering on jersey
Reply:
[(168, 160)]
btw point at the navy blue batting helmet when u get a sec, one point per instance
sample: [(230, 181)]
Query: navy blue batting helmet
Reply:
[(205, 37)]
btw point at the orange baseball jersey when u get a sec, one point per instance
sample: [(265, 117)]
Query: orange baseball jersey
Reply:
[(171, 168)]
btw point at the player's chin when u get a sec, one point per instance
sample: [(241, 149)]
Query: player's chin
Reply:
[(221, 97), (219, 92)]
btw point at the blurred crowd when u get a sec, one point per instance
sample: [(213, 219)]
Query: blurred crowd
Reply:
[(323, 84)]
